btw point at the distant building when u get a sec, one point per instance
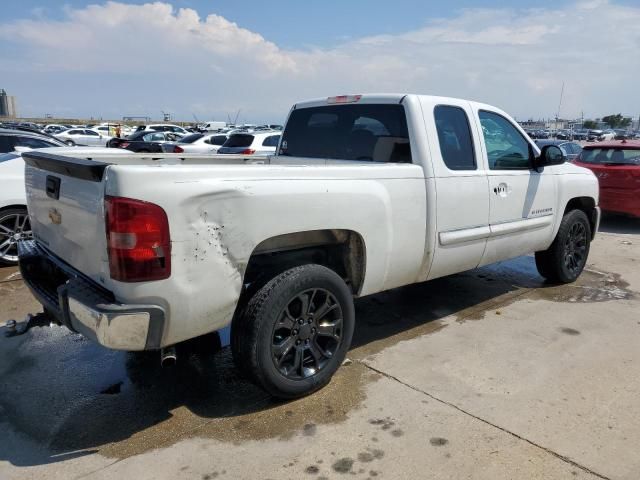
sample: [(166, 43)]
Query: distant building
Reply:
[(7, 104)]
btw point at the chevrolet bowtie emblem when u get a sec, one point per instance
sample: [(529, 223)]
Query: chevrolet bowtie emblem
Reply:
[(55, 216)]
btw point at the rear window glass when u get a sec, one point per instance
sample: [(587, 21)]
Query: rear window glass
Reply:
[(611, 156), (191, 138), (239, 140), (364, 132)]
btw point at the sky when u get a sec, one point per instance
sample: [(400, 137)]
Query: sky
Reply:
[(210, 59)]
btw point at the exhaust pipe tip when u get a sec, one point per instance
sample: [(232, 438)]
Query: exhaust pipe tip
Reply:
[(168, 357)]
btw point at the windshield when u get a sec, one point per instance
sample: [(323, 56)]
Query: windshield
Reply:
[(611, 156), (191, 138)]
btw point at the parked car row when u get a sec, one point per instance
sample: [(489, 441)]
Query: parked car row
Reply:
[(238, 143), (592, 135)]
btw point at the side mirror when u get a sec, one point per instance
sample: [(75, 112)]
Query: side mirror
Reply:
[(550, 155)]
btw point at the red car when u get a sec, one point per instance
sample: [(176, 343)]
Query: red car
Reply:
[(617, 166)]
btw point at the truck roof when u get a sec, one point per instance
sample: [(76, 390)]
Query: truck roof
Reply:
[(386, 98)]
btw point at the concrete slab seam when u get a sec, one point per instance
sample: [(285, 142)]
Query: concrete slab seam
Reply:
[(530, 442)]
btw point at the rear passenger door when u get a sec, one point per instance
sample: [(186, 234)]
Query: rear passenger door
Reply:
[(462, 218), (521, 200), (92, 138)]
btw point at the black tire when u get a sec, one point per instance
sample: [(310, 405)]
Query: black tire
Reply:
[(325, 304), (565, 259)]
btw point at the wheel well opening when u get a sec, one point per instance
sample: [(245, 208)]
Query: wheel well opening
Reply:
[(342, 251), (588, 206), (9, 207)]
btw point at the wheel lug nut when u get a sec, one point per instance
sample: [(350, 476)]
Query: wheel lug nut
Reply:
[(295, 332), (313, 330), (298, 342), (301, 321), (306, 341)]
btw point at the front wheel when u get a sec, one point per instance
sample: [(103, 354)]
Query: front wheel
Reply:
[(70, 143), (295, 331), (565, 259)]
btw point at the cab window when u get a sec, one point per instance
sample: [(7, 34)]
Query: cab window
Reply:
[(507, 149), (454, 135), (359, 132)]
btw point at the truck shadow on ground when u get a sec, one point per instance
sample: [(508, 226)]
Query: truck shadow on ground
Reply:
[(620, 224), (69, 397)]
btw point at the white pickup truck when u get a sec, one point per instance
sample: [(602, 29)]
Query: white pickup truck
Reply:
[(366, 193)]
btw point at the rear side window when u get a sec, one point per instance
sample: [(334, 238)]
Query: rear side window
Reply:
[(507, 149), (374, 133), (154, 137), (32, 143), (271, 141), (6, 143), (218, 140), (454, 135), (191, 138), (239, 140), (611, 156)]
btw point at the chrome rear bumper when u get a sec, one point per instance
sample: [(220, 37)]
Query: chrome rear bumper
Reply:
[(85, 307)]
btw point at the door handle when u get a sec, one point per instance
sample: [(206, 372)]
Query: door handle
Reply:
[(502, 190)]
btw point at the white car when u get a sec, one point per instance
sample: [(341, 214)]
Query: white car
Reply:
[(256, 143), (86, 137), (14, 220), (198, 143), (366, 193), (164, 127)]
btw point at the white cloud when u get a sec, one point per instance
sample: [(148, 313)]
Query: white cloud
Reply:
[(152, 56)]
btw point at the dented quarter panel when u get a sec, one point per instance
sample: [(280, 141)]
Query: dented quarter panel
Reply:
[(218, 220)]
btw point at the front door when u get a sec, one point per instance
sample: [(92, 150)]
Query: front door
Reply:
[(521, 200)]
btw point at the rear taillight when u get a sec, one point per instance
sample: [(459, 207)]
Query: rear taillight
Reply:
[(247, 151), (138, 240), (178, 149)]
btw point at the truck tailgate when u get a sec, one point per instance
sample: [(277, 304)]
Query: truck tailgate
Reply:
[(65, 198)]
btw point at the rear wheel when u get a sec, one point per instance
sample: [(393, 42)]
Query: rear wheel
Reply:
[(295, 331), (14, 226), (565, 259)]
